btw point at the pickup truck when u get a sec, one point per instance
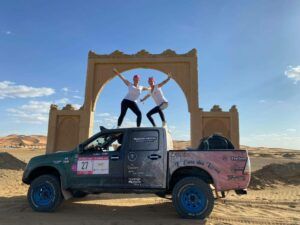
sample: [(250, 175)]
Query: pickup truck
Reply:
[(137, 160)]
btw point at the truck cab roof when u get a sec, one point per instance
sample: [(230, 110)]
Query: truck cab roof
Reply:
[(169, 138)]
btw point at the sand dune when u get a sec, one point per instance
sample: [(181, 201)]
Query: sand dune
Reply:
[(15, 140), (273, 174)]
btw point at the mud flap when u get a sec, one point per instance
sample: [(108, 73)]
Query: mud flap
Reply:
[(241, 192), (66, 194)]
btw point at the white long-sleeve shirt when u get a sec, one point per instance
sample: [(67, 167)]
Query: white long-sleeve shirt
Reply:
[(158, 95), (133, 92)]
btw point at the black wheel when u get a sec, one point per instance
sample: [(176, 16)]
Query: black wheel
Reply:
[(44, 194), (193, 198), (79, 194)]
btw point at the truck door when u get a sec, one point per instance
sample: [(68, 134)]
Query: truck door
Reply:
[(100, 162), (145, 160)]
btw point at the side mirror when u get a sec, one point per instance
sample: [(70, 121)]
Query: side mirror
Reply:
[(80, 148)]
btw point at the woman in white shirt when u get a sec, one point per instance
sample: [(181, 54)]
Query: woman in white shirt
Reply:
[(159, 98), (134, 92)]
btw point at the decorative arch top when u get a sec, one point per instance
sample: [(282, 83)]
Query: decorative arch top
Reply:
[(183, 68), (143, 53)]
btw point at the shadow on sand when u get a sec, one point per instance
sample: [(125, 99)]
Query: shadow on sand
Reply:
[(15, 210)]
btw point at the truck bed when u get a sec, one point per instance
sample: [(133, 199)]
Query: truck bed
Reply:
[(229, 169)]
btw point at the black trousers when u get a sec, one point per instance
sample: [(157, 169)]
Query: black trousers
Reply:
[(156, 109), (125, 104)]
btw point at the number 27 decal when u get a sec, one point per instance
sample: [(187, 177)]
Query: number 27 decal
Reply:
[(93, 165), (84, 165)]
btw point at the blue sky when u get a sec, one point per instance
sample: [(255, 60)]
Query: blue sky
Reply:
[(248, 55)]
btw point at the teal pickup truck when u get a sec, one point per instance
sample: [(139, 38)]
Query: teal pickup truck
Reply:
[(137, 160)]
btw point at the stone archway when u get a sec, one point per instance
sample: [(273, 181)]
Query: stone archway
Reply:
[(183, 68)]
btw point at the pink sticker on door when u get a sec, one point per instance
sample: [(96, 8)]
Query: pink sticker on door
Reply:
[(93, 165)]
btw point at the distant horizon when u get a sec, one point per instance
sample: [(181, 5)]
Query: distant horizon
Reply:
[(251, 146)]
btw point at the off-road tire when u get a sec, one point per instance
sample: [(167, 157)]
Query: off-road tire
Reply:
[(44, 187), (193, 198)]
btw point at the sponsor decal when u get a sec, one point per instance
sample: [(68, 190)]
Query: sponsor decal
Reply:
[(135, 180), (225, 158), (92, 165), (144, 139), (193, 162), (212, 167), (134, 171), (66, 160), (236, 178), (199, 162), (236, 169), (238, 158), (74, 167), (132, 156)]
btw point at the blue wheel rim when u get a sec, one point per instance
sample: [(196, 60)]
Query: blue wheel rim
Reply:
[(43, 194), (193, 199)]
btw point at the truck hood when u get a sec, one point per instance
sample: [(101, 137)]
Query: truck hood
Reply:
[(55, 160), (51, 158)]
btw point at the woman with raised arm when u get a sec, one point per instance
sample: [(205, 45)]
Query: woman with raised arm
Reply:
[(134, 92), (159, 98)]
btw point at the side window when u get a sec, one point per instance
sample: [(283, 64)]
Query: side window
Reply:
[(145, 140), (105, 143)]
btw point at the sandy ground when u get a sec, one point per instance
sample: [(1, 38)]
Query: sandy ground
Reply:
[(278, 203)]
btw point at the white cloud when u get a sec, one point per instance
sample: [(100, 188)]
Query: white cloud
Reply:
[(77, 106), (36, 107), (291, 130), (77, 97), (110, 121), (7, 32), (293, 73), (11, 90), (62, 101), (179, 134), (65, 89), (34, 112), (103, 114), (262, 101)]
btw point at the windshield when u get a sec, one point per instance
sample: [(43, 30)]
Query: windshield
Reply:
[(105, 142)]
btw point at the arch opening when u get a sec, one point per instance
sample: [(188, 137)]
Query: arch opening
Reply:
[(182, 83), (107, 106)]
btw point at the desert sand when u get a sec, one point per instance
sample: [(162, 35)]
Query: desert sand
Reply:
[(273, 196)]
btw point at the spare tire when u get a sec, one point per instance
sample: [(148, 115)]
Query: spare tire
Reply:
[(215, 142)]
